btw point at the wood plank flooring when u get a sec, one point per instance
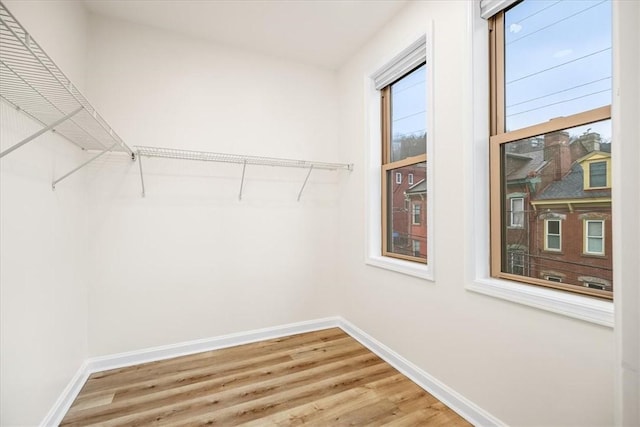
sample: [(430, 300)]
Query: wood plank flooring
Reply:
[(323, 378)]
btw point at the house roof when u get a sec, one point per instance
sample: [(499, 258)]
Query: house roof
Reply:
[(418, 188), (519, 166), (571, 187)]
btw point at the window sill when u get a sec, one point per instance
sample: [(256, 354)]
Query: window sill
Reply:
[(401, 266), (580, 307)]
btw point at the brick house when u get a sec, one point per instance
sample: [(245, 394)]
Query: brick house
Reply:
[(558, 209)]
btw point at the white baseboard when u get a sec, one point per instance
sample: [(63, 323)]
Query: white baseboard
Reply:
[(461, 405), (449, 397), (66, 398), (121, 360)]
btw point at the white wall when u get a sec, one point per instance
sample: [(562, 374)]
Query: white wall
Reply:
[(626, 110), (190, 260), (43, 295), (524, 366)]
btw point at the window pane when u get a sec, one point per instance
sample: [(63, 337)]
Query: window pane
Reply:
[(594, 228), (517, 212), (598, 174), (407, 212), (594, 245), (408, 115), (557, 59), (549, 171), (553, 242)]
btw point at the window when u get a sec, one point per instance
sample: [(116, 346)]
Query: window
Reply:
[(517, 212), (550, 139), (410, 179), (404, 134), (416, 214), (552, 235), (594, 237), (553, 278), (597, 174), (416, 248)]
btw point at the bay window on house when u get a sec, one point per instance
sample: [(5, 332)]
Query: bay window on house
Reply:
[(550, 144)]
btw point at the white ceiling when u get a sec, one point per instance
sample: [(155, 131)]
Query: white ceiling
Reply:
[(319, 32)]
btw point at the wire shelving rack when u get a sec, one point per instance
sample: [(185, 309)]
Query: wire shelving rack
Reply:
[(32, 83), (205, 156)]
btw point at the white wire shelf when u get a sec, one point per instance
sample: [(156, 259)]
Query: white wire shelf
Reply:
[(205, 156), (32, 83), (172, 153)]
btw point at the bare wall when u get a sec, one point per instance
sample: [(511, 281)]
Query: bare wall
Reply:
[(524, 366), (43, 237), (190, 260)]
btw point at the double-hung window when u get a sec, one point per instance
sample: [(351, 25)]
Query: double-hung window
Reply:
[(550, 125), (594, 237), (403, 137)]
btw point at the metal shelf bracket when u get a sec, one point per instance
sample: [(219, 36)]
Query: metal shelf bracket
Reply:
[(305, 182), (66, 175), (41, 131)]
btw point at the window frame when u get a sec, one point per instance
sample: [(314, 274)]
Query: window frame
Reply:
[(478, 268), (498, 137), (606, 168), (416, 209), (547, 247), (389, 165), (512, 223), (372, 247), (585, 249)]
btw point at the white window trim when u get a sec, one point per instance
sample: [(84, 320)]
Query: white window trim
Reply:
[(546, 235), (373, 191), (512, 224), (478, 278), (413, 214), (586, 250), (398, 178), (410, 179)]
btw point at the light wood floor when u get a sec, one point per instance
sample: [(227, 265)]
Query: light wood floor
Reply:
[(323, 378)]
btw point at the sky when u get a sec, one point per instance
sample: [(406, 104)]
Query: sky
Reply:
[(558, 62)]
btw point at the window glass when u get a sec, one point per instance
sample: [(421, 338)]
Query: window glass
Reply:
[(553, 235), (598, 174), (557, 59), (549, 171), (517, 212), (595, 235), (408, 115), (405, 204)]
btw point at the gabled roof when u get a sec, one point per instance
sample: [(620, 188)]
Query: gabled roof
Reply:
[(418, 188), (521, 165)]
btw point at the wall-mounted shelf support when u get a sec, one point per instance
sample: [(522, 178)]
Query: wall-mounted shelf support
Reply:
[(305, 182), (41, 131), (171, 153), (244, 168), (53, 185), (141, 174)]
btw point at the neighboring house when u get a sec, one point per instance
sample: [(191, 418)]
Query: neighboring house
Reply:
[(416, 196), (559, 210), (403, 218)]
